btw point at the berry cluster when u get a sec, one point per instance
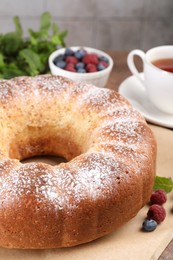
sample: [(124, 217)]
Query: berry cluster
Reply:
[(81, 61), (156, 213)]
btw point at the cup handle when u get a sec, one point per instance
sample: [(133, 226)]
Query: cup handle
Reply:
[(132, 66)]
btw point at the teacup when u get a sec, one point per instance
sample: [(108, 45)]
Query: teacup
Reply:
[(157, 82)]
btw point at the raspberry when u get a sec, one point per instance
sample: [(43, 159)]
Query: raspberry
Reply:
[(158, 197), (91, 67), (83, 62), (71, 59), (90, 58), (149, 225), (70, 67), (156, 212)]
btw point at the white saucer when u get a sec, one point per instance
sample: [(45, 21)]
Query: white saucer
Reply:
[(131, 89)]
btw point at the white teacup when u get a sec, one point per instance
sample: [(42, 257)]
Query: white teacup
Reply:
[(157, 83)]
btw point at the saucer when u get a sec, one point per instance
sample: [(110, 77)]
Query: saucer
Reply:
[(132, 90)]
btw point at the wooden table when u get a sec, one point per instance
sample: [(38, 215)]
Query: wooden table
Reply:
[(119, 73)]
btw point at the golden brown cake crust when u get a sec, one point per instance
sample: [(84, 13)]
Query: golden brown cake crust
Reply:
[(109, 175)]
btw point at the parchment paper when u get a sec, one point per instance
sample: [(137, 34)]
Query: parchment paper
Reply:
[(129, 242)]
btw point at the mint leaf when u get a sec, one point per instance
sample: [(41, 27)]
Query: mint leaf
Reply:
[(55, 28), (163, 183), (29, 56), (1, 60), (10, 72), (11, 43), (45, 23), (18, 26), (32, 61)]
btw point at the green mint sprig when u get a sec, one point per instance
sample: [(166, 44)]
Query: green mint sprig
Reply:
[(20, 55), (163, 183)]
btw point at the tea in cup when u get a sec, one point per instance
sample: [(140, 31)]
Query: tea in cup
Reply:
[(157, 77)]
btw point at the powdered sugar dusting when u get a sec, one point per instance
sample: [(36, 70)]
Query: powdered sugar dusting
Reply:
[(5, 91), (103, 99), (22, 87), (91, 178), (95, 174), (51, 85)]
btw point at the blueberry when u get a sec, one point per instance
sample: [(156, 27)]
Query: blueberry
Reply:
[(58, 58), (103, 58), (69, 52), (149, 225), (61, 64), (80, 65), (81, 70), (100, 66), (79, 54)]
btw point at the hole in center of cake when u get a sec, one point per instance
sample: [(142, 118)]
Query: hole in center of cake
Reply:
[(54, 149), (52, 160)]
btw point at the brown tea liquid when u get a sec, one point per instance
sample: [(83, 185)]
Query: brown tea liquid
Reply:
[(164, 64)]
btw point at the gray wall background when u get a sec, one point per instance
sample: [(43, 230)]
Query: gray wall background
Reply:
[(104, 24)]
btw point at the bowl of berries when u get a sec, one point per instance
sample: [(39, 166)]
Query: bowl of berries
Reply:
[(82, 64)]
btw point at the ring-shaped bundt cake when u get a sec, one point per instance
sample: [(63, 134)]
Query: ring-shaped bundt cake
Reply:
[(109, 175)]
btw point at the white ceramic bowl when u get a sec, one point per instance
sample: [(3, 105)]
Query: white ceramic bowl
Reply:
[(98, 78)]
